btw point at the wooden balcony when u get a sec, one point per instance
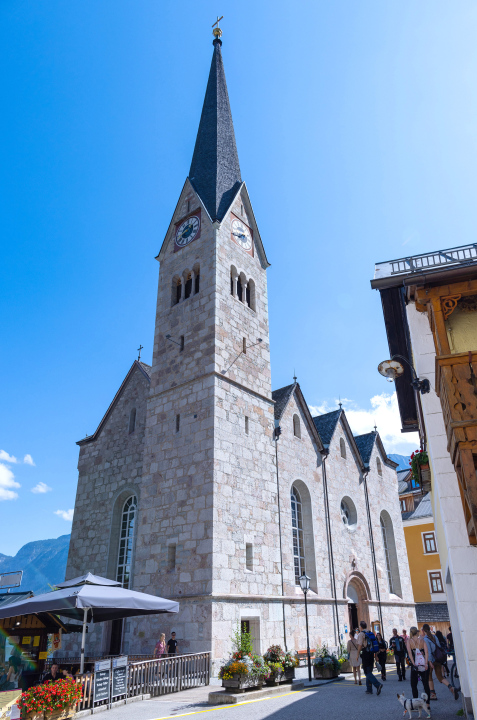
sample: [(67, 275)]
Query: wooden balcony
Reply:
[(456, 386)]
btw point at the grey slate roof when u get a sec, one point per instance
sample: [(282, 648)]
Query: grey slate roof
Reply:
[(147, 368), (432, 612), (404, 474), (424, 509), (365, 445), (215, 170), (281, 398), (325, 424), (403, 486)]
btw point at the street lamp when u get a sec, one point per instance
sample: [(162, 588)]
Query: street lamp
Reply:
[(392, 369), (304, 581)]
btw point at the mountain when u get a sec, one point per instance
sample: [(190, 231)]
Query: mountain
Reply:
[(43, 563), (402, 460)]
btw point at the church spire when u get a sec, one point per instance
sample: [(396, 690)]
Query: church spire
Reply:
[(215, 170)]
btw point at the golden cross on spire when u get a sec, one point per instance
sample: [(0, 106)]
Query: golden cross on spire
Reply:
[(217, 32)]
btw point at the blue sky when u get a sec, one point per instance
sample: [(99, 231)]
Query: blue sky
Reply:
[(357, 137)]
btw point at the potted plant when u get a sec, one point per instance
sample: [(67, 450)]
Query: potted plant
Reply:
[(325, 664), (244, 670), (281, 665), (345, 665), (420, 469), (52, 701)]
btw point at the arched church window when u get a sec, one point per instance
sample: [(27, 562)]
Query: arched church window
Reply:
[(296, 426), (239, 289), (379, 467), (348, 513), (298, 541), (132, 420), (197, 281), (344, 513), (342, 448), (126, 539), (247, 295), (390, 554), (251, 295), (188, 285), (176, 290)]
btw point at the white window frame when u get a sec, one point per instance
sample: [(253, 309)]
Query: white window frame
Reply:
[(126, 541), (299, 565), (436, 592), (432, 552)]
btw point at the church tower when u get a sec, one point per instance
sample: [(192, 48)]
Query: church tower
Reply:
[(207, 524)]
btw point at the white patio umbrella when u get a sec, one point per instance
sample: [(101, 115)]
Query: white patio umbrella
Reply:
[(91, 598)]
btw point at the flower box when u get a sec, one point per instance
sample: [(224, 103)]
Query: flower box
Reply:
[(33, 716), (322, 672), (346, 667), (240, 683), (67, 712)]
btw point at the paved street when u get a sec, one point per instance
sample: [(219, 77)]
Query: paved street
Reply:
[(336, 701)]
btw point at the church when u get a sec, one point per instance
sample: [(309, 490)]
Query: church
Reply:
[(203, 485)]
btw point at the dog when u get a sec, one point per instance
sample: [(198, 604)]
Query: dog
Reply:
[(416, 704)]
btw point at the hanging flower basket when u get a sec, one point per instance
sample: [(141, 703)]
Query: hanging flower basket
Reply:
[(420, 470)]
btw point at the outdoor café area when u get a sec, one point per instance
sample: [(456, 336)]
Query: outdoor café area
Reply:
[(30, 629)]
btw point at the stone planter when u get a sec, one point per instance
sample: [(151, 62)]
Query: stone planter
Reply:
[(289, 674), (321, 672), (33, 716), (240, 683), (346, 667)]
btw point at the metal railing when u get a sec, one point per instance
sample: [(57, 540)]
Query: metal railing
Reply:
[(153, 677), (462, 255)]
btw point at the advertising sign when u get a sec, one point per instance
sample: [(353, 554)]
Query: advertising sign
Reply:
[(102, 680), (120, 676)]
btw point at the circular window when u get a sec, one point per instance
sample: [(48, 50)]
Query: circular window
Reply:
[(348, 513)]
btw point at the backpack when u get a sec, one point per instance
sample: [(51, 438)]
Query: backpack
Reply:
[(440, 656), (419, 660), (372, 645)]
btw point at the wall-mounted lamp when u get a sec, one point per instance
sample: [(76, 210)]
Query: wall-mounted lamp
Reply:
[(392, 369)]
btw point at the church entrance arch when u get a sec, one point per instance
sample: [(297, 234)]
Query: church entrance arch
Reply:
[(357, 594)]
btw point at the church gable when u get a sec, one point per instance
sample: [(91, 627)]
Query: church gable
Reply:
[(342, 444), (128, 405), (241, 209), (293, 416)]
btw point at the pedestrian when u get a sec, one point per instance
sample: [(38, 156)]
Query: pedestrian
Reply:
[(381, 656), (435, 653), (354, 658), (419, 658), (54, 675), (405, 636), (450, 641), (443, 644), (397, 645), (160, 648), (368, 648), (172, 645)]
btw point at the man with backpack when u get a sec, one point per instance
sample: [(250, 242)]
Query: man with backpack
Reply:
[(396, 644), (368, 647)]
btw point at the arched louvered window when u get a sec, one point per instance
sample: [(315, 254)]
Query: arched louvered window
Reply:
[(342, 448), (132, 420), (379, 467), (126, 540), (296, 426), (298, 540)]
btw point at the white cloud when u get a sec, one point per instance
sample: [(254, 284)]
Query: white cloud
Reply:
[(7, 481), (65, 514), (382, 412), (41, 487), (28, 460), (7, 458)]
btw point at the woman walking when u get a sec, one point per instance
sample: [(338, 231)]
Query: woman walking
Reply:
[(419, 657), (383, 651), (354, 658), (443, 644), (434, 665), (160, 648)]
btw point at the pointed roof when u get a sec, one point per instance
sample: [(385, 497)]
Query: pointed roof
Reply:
[(325, 424), (365, 445), (281, 398), (215, 170)]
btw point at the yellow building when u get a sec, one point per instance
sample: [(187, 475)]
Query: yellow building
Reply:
[(423, 554)]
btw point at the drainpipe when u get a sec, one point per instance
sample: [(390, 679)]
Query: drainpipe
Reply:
[(324, 455), (373, 553), (276, 434)]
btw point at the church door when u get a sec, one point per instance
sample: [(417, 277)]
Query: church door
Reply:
[(116, 637), (353, 615)]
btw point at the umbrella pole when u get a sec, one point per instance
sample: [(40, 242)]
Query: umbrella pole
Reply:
[(83, 639)]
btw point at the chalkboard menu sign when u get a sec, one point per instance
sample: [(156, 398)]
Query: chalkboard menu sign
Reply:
[(102, 680), (120, 676)]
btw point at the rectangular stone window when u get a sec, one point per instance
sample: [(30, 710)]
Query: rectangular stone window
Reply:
[(249, 556), (182, 343), (247, 425), (244, 346), (178, 423), (171, 556)]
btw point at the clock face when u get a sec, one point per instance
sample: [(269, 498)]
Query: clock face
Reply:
[(241, 234), (187, 231)]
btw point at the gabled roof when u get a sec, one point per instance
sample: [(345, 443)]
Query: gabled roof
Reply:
[(423, 510), (282, 398), (215, 169), (326, 424), (146, 371), (366, 444), (432, 612)]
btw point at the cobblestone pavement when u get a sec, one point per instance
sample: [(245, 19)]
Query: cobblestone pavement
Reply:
[(341, 700)]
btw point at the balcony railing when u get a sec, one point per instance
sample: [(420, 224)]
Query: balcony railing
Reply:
[(462, 255)]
